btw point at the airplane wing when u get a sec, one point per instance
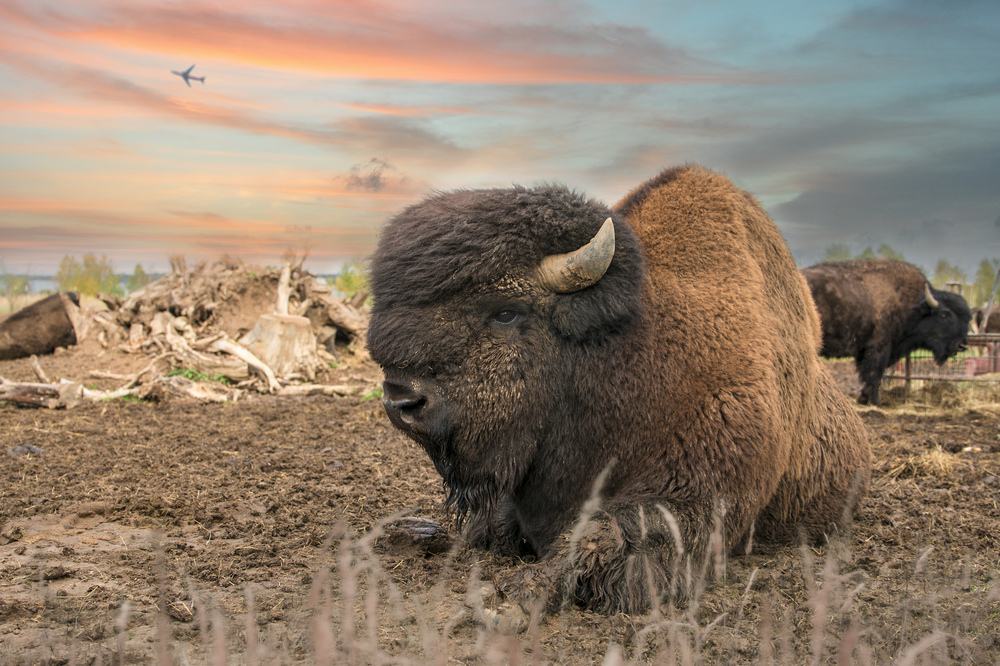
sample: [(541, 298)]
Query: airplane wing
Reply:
[(186, 75)]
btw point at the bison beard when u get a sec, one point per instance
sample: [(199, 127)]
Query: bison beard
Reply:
[(539, 345)]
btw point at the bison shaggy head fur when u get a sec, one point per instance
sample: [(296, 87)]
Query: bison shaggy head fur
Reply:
[(680, 379)]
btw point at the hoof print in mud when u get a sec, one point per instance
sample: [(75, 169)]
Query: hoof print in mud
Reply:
[(415, 533)]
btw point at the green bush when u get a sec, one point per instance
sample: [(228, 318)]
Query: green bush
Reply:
[(198, 376), (94, 276), (352, 279)]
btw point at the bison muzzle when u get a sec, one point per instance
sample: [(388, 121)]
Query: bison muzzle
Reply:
[(539, 345)]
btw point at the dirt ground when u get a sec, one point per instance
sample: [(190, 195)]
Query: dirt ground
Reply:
[(181, 532)]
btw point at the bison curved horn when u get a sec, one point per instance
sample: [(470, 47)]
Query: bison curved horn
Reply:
[(929, 297), (581, 268)]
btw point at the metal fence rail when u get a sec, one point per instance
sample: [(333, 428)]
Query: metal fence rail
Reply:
[(979, 363)]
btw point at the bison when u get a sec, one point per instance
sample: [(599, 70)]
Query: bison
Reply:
[(41, 327), (879, 310), (658, 357), (993, 325)]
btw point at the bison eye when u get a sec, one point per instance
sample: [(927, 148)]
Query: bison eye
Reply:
[(505, 317)]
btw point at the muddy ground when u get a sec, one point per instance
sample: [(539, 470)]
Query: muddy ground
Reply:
[(180, 532)]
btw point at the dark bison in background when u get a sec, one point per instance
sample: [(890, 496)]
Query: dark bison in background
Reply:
[(538, 345), (879, 310), (40, 327), (993, 325)]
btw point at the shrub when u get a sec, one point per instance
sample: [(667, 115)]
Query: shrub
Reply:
[(94, 276), (13, 288), (353, 278)]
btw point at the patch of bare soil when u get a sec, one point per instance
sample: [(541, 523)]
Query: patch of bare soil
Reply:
[(183, 532)]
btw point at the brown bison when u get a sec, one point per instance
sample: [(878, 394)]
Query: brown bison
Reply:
[(879, 310), (993, 325), (40, 327), (539, 345)]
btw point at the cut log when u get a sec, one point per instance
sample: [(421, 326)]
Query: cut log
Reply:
[(41, 395), (285, 343), (343, 316), (226, 345), (37, 367), (201, 391), (41, 327)]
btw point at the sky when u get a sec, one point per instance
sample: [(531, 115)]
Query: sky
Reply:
[(853, 122)]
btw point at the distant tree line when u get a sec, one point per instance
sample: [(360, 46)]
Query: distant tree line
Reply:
[(976, 292), (94, 275), (13, 289)]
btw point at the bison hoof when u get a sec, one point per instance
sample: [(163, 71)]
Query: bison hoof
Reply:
[(413, 532)]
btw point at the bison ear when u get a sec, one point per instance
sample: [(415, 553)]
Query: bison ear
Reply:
[(613, 301)]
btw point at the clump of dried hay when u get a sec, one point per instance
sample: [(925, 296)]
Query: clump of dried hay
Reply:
[(935, 462)]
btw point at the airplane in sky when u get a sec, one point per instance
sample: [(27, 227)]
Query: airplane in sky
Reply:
[(186, 75)]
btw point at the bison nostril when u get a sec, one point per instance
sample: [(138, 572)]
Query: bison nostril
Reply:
[(409, 404), (402, 400)]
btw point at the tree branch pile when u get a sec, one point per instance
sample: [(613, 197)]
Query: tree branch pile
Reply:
[(262, 329)]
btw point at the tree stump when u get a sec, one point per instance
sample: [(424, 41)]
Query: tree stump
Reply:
[(285, 343)]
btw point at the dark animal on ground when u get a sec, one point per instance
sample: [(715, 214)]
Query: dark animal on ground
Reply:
[(40, 327), (879, 310), (539, 345)]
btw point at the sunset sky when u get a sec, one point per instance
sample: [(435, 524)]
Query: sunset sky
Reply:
[(852, 122)]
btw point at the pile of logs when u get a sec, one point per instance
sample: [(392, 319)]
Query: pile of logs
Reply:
[(199, 320)]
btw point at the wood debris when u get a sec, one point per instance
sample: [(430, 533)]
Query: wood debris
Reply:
[(269, 330)]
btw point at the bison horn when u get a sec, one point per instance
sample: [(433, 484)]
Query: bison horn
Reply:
[(929, 297), (581, 268)]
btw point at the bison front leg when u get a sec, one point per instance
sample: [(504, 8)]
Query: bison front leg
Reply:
[(627, 557), (871, 367), (634, 555)]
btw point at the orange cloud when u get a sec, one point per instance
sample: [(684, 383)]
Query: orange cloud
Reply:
[(411, 111), (366, 41), (42, 235)]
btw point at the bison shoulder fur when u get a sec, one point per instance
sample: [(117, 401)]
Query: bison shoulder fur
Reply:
[(674, 381)]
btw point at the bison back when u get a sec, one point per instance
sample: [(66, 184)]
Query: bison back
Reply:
[(739, 335)]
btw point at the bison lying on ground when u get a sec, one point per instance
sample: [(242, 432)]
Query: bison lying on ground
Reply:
[(538, 345), (40, 327), (879, 310)]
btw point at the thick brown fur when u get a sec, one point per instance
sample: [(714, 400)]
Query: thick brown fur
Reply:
[(686, 380), (39, 328), (875, 311), (993, 326)]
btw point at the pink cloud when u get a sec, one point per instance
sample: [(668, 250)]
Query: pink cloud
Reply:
[(416, 111), (369, 41)]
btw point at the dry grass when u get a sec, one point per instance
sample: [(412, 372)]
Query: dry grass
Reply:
[(942, 394), (357, 614), (935, 462)]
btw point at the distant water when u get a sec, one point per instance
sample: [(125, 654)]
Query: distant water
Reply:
[(38, 285)]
